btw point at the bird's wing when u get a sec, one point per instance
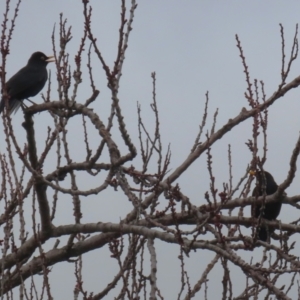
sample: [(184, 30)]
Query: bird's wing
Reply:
[(21, 86), (22, 81)]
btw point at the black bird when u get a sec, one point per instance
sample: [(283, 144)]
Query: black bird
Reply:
[(271, 210), (26, 83)]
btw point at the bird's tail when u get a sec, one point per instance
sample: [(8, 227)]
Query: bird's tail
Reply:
[(13, 105), (263, 234), (2, 105)]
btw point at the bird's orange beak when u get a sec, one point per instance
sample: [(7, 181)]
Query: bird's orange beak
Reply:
[(50, 59)]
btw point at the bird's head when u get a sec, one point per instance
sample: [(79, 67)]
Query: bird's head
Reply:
[(40, 58), (260, 175), (264, 178)]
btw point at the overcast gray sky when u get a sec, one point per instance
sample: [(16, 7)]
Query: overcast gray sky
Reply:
[(191, 46)]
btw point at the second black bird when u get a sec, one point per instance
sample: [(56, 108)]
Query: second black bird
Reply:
[(271, 210), (27, 82)]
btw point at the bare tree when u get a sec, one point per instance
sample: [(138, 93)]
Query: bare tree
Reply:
[(38, 175)]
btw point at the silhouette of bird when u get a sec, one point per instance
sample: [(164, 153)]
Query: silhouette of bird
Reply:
[(27, 82), (265, 182)]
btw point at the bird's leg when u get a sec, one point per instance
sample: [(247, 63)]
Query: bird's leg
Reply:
[(31, 101), (23, 105)]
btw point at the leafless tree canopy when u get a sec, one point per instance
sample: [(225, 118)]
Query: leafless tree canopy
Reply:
[(41, 174)]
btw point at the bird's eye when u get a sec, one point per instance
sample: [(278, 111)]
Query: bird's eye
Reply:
[(42, 57)]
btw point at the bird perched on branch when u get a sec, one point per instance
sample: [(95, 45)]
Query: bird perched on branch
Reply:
[(28, 82), (267, 184)]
